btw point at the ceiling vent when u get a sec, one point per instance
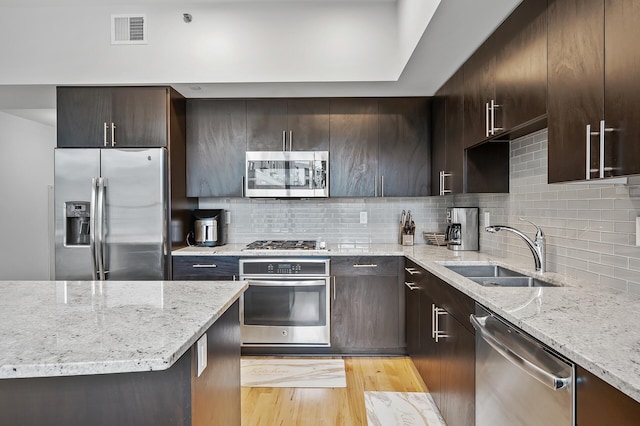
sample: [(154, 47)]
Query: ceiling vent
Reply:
[(128, 29)]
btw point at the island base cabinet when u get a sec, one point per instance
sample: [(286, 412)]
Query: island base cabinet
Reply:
[(175, 396)]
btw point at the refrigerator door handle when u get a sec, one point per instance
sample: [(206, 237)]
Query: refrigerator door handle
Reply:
[(101, 232), (92, 228)]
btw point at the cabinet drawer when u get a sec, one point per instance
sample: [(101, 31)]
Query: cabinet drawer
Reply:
[(365, 265), (204, 267)]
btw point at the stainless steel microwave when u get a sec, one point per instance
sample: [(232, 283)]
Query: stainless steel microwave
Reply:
[(283, 174)]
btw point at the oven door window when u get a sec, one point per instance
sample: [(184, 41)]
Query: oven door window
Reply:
[(269, 304)]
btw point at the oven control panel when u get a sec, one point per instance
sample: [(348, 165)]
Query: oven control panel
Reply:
[(284, 267)]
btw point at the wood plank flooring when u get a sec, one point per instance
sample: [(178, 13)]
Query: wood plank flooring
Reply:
[(326, 406)]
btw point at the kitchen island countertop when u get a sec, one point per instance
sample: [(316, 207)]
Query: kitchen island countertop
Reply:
[(69, 328), (596, 327)]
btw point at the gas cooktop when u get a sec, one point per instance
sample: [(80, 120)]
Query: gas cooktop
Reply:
[(282, 245)]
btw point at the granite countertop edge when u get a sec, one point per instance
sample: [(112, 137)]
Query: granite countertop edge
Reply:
[(155, 359)]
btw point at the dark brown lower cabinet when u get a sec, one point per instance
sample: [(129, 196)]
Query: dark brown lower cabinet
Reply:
[(598, 403), (175, 396), (447, 365), (367, 307)]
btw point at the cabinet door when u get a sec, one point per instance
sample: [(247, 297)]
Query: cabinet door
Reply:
[(308, 124), (266, 124), (404, 156), (429, 358), (82, 113), (412, 306), (140, 115), (216, 145), (354, 148), (438, 141), (455, 110), (479, 88), (364, 313), (457, 373), (622, 92), (575, 85), (521, 65)]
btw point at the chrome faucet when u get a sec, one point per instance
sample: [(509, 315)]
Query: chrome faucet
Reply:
[(537, 247)]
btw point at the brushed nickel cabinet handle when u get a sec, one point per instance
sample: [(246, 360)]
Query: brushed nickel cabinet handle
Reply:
[(412, 271), (284, 140), (368, 265), (382, 186), (104, 136), (205, 265), (411, 286), (113, 134), (334, 287), (290, 140)]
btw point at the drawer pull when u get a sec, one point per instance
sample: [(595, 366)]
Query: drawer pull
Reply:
[(412, 271), (205, 265), (370, 265), (412, 286)]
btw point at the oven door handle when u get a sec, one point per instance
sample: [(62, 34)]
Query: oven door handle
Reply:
[(275, 283)]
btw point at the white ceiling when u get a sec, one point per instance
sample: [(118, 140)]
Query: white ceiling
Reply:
[(457, 28)]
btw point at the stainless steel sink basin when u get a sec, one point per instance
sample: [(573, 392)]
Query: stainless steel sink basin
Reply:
[(483, 271), (497, 276)]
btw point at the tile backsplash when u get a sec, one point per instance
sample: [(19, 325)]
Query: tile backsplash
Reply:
[(590, 229)]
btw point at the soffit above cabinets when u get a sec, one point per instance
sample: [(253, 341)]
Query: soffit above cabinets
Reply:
[(258, 48)]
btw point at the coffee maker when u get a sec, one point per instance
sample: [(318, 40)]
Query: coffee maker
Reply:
[(462, 228), (209, 228)]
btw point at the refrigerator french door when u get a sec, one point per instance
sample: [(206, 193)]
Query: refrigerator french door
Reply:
[(111, 214)]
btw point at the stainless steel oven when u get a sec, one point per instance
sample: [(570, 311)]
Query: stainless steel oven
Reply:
[(286, 303), (287, 174)]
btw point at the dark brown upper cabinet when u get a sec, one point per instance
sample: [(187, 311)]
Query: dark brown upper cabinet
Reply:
[(404, 164), (353, 157), (480, 94), (216, 145), (505, 80), (521, 66), (594, 99), (622, 91), (576, 86), (113, 117), (447, 150), (308, 124), (285, 125)]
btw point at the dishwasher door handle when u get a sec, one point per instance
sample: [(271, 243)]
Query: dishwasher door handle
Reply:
[(548, 379)]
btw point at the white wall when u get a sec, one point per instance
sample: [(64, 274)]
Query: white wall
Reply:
[(26, 171), (225, 42)]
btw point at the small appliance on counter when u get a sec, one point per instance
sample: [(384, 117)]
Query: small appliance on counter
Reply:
[(407, 228), (462, 228), (209, 228)]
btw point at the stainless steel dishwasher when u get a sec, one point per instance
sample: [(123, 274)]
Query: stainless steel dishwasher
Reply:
[(519, 381)]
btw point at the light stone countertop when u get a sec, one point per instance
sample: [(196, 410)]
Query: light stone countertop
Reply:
[(68, 328), (596, 328)]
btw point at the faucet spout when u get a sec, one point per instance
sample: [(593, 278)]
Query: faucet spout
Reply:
[(537, 247)]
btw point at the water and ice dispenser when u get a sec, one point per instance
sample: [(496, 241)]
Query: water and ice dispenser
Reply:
[(77, 219)]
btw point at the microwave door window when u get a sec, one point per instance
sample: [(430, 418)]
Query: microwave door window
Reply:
[(267, 175), (300, 174)]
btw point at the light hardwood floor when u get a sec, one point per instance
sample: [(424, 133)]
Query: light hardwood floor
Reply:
[(326, 406)]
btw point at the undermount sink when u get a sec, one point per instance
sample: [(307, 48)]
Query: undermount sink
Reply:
[(497, 276)]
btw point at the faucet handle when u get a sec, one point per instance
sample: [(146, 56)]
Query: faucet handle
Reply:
[(539, 233)]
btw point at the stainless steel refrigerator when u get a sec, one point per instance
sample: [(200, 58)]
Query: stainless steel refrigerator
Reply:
[(111, 214)]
